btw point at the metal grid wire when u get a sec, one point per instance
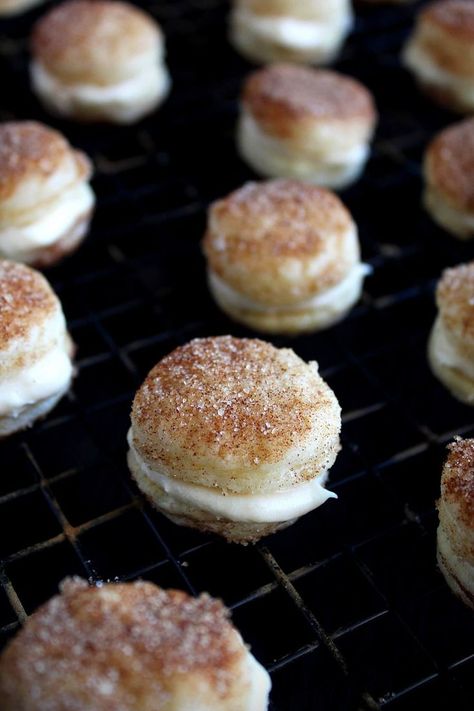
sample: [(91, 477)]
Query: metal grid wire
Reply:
[(346, 608)]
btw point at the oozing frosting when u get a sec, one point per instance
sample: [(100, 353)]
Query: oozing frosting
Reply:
[(260, 508)]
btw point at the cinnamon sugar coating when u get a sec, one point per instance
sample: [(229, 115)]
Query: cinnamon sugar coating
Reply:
[(29, 149), (457, 483), (281, 94), (26, 300)]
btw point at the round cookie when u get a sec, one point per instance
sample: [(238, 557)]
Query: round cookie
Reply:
[(451, 344), (130, 646), (309, 124), (449, 185), (46, 201), (456, 520), (35, 348), (440, 53), (283, 257), (99, 60), (234, 436), (309, 31)]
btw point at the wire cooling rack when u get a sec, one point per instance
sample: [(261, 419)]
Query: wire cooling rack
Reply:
[(346, 608)]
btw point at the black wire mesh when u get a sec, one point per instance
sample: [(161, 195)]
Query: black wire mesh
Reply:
[(346, 608)]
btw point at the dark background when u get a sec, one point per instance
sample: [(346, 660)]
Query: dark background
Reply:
[(346, 608)]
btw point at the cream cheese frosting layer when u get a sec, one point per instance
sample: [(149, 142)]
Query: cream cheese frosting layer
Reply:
[(318, 162), (338, 296), (258, 508), (20, 419), (38, 381), (260, 684), (123, 100), (58, 218), (317, 144), (296, 33), (446, 353)]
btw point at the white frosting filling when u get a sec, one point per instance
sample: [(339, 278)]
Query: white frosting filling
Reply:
[(257, 508), (427, 70), (321, 165), (122, 101), (295, 33), (260, 685), (58, 218), (256, 685), (446, 352), (338, 296), (19, 420), (49, 375)]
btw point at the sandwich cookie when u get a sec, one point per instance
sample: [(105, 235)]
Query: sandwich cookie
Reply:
[(35, 348), (234, 436), (440, 53), (309, 31), (451, 344), (130, 647), (449, 179), (309, 124), (456, 520), (46, 201), (99, 60), (283, 257)]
